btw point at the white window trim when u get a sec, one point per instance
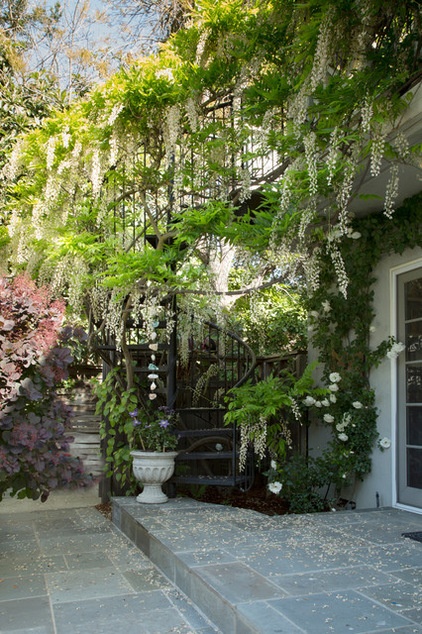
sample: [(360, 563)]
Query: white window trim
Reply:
[(394, 274)]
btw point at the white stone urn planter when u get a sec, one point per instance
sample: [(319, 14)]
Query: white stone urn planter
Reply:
[(152, 469)]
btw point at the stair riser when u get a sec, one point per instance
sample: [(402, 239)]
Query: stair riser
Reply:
[(210, 602)]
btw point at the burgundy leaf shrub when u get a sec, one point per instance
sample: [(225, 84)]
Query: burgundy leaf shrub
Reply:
[(34, 423)]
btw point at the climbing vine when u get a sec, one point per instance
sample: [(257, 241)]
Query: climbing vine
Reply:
[(342, 332)]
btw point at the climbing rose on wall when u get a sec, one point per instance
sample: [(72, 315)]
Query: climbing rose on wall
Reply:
[(34, 447)]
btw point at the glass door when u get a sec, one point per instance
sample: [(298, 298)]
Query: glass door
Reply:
[(409, 431)]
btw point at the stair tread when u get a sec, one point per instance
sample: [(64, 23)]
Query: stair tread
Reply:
[(215, 480), (203, 433), (205, 455)]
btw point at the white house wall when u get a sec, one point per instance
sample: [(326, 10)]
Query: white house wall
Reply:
[(379, 486)]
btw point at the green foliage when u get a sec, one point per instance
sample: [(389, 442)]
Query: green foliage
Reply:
[(305, 482), (264, 409), (273, 320), (114, 404)]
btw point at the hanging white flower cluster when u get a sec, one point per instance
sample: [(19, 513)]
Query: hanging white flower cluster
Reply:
[(99, 300), (113, 318), (402, 147), (392, 191), (257, 431), (50, 154), (66, 137), (343, 280), (172, 129), (377, 152), (11, 169), (311, 265), (332, 155), (77, 273), (245, 185), (191, 114), (366, 112), (321, 57), (311, 160), (96, 173), (116, 110), (113, 149)]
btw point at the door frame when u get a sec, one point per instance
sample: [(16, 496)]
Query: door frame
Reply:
[(395, 272)]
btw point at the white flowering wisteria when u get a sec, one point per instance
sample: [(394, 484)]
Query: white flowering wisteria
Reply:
[(216, 116)]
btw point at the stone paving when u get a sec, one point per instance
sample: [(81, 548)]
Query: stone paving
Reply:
[(187, 567), (253, 574), (71, 571)]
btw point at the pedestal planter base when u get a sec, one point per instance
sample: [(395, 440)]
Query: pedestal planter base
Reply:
[(152, 469)]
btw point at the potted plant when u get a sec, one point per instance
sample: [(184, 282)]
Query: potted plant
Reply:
[(133, 427), (154, 441)]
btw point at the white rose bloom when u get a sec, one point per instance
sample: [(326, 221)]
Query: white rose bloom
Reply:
[(357, 404), (343, 437), (333, 387), (326, 402), (335, 377), (333, 398), (396, 349), (385, 443), (275, 487), (328, 418), (309, 400), (318, 404)]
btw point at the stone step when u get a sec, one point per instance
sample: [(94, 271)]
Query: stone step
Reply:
[(151, 528)]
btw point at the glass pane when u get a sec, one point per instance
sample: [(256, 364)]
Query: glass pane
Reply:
[(413, 299), (414, 468), (414, 383), (414, 341), (414, 426)]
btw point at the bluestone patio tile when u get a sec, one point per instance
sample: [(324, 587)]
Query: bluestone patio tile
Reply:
[(21, 564), (146, 580), (338, 579), (74, 586), (397, 596), (22, 587), (26, 614), (342, 611), (262, 616), (85, 560)]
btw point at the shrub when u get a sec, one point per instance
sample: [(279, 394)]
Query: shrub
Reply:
[(34, 445)]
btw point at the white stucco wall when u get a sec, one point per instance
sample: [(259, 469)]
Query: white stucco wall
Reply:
[(381, 480)]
